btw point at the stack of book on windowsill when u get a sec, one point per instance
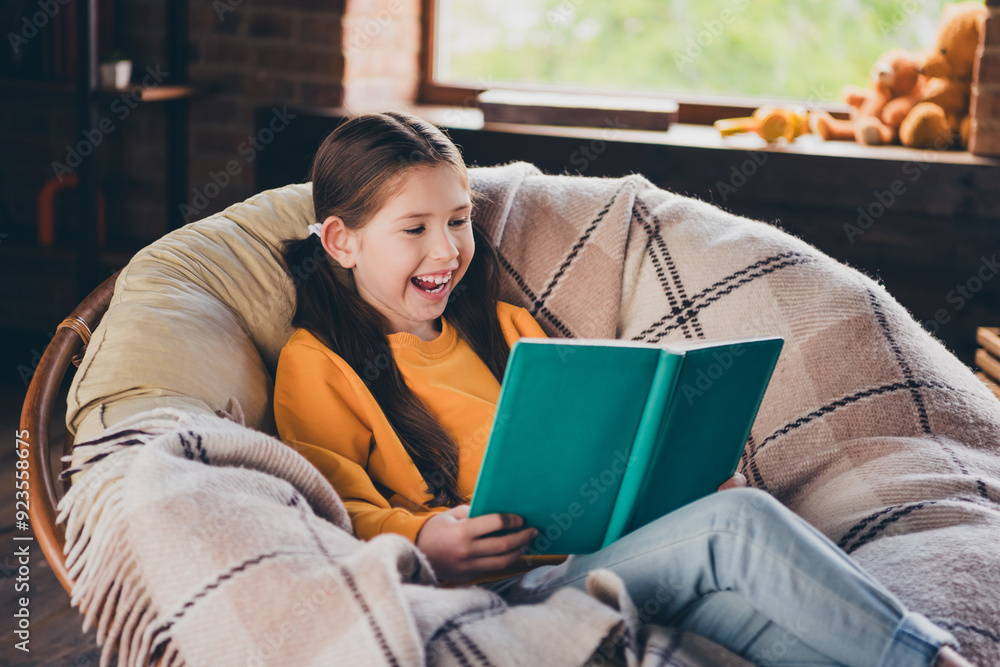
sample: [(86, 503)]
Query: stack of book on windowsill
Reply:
[(988, 357)]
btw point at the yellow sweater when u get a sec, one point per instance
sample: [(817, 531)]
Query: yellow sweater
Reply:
[(324, 410)]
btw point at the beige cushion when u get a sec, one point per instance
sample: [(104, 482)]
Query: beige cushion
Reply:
[(197, 318)]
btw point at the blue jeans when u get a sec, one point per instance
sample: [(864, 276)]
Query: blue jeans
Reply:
[(741, 569)]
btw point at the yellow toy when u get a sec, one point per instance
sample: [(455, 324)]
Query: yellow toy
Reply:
[(943, 111), (771, 123)]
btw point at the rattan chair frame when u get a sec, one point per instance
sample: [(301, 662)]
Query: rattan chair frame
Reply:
[(66, 347)]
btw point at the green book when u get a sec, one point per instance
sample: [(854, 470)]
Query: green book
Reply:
[(593, 439)]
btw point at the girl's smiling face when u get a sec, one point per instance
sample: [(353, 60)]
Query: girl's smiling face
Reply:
[(410, 256)]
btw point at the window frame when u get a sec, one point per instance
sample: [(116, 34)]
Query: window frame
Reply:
[(693, 108)]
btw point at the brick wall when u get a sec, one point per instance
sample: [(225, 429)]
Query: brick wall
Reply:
[(985, 109), (381, 51), (245, 54), (253, 53), (358, 54)]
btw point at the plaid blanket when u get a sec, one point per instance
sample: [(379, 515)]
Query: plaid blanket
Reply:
[(198, 541), (871, 429), (212, 543)]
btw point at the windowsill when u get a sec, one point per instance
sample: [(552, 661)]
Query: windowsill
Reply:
[(701, 136), (697, 160), (927, 217)]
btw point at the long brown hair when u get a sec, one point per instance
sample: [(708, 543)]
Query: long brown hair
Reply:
[(357, 168)]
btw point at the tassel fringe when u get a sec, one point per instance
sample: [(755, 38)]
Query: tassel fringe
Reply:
[(107, 587)]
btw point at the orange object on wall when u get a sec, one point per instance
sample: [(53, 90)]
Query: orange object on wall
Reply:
[(46, 210)]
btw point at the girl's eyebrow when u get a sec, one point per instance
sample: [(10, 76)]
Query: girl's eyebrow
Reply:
[(411, 216)]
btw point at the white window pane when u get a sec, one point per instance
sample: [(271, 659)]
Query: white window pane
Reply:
[(798, 49)]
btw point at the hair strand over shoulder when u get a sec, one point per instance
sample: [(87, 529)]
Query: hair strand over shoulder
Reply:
[(357, 168)]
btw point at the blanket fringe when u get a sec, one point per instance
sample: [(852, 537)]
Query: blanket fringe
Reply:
[(158, 637), (100, 562), (171, 658)]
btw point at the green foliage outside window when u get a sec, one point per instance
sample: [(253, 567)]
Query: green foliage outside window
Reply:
[(785, 49)]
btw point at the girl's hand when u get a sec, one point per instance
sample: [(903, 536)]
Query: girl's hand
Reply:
[(737, 481), (457, 549)]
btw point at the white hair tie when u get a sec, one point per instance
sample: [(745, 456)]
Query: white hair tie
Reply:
[(317, 229)]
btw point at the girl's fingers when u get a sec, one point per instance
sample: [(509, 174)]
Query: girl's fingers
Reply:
[(493, 563), (493, 546), (491, 523), (737, 481)]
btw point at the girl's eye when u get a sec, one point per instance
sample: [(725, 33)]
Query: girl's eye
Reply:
[(413, 231)]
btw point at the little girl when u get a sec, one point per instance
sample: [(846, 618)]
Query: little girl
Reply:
[(390, 382)]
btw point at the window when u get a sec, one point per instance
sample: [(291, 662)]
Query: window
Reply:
[(726, 52)]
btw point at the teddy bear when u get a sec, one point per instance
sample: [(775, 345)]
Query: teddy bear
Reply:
[(942, 114), (876, 112)]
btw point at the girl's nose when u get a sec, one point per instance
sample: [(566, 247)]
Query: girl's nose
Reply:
[(443, 246)]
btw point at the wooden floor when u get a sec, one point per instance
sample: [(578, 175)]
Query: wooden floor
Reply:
[(55, 628)]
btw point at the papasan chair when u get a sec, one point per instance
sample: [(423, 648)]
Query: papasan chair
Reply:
[(195, 537)]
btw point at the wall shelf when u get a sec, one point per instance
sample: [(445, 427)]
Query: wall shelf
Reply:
[(32, 86), (174, 93), (152, 93)]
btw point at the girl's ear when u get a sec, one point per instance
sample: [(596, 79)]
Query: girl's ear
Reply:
[(338, 241)]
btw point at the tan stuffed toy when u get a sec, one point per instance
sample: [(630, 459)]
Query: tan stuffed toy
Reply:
[(876, 112), (943, 111)]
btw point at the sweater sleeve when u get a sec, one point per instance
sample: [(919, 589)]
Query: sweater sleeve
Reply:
[(526, 325), (319, 413)]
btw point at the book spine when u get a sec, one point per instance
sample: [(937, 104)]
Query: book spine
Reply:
[(484, 482), (646, 439)]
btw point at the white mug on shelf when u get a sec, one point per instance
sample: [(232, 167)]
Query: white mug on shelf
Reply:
[(116, 74)]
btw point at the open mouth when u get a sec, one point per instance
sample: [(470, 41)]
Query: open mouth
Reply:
[(432, 284)]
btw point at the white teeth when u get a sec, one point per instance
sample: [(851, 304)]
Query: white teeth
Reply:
[(437, 279)]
